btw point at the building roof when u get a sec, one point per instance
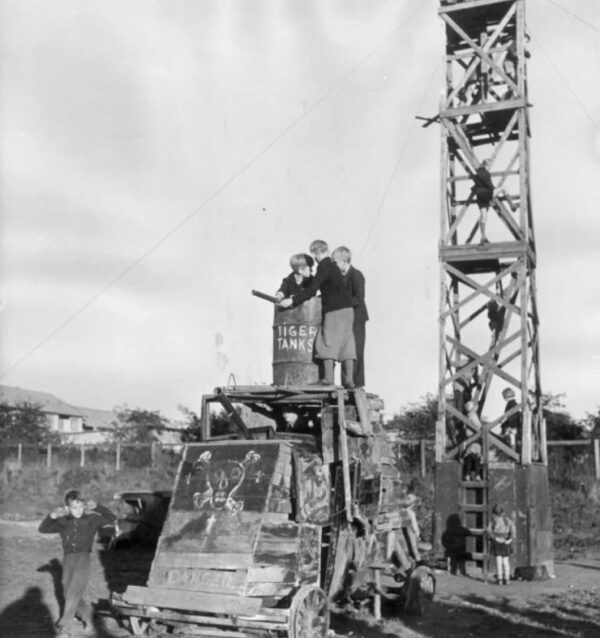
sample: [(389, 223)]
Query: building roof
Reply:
[(98, 419), (47, 403)]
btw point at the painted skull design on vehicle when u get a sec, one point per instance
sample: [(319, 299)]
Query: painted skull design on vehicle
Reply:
[(222, 480)]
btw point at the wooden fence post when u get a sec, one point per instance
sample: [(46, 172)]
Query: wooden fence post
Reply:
[(20, 455), (49, 455), (82, 461), (597, 459), (423, 465), (153, 452), (118, 460)]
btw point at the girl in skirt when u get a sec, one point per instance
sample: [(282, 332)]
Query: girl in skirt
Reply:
[(501, 533)]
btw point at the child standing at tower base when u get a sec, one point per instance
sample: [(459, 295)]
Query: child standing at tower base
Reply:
[(501, 533)]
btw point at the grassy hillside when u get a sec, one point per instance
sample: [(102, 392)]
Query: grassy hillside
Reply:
[(33, 491)]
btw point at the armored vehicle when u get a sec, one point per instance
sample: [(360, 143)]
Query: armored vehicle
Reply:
[(292, 500)]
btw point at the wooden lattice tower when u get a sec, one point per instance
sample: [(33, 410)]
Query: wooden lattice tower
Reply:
[(488, 312)]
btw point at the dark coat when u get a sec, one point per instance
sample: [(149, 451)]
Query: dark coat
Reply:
[(483, 187), (289, 285), (330, 281), (355, 285), (77, 534)]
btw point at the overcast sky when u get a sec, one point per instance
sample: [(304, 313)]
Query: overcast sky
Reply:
[(160, 159)]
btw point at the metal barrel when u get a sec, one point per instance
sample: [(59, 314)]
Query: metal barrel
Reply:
[(294, 333)]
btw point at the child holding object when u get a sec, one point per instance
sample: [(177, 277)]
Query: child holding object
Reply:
[(77, 524), (299, 278), (501, 533)]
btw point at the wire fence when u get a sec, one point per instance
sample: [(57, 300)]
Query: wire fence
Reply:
[(118, 455), (567, 460)]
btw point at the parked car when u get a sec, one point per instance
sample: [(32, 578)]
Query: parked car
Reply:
[(140, 517)]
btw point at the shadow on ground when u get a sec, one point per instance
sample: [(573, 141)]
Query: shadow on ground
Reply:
[(551, 615), (27, 616)]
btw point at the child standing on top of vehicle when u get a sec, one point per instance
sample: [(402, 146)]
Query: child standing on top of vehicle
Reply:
[(77, 524), (335, 340), (299, 278), (501, 533), (355, 284)]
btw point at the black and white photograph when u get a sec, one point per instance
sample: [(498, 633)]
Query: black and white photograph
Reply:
[(298, 330)]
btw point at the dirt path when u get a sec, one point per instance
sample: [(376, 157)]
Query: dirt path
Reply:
[(567, 606)]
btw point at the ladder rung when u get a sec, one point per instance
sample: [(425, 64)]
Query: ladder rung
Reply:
[(474, 483), (478, 556), (474, 531), (473, 508)]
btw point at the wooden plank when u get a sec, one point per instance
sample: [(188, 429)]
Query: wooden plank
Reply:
[(219, 633), (264, 620), (463, 5), (309, 555), (199, 560), (289, 560), (504, 105), (192, 601), (271, 574), (276, 541), (283, 531), (275, 517), (447, 481), (327, 436), (344, 455), (278, 590), (360, 398), (497, 250), (276, 547), (208, 580)]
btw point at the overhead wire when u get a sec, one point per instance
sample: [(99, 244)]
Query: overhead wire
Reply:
[(397, 165), (200, 207), (567, 84), (573, 15), (556, 69)]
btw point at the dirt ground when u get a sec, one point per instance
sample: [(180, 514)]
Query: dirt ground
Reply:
[(566, 606)]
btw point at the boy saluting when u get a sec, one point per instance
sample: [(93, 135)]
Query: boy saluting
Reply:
[(335, 341), (77, 524)]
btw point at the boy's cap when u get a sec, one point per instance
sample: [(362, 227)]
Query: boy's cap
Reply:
[(73, 495), (508, 393)]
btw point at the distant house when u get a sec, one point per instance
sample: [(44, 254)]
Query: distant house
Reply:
[(97, 425), (73, 424)]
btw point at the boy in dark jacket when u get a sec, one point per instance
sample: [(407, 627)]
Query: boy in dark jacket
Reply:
[(484, 191), (77, 524), (355, 285), (299, 278)]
